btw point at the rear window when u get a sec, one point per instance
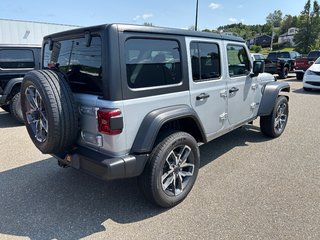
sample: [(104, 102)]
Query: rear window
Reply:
[(15, 58), (152, 62), (81, 63)]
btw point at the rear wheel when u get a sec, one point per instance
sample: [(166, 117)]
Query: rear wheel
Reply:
[(6, 108), (284, 73), (15, 107), (171, 171), (274, 124), (299, 76), (49, 110)]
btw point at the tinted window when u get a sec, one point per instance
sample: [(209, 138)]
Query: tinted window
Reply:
[(238, 60), (272, 55), (284, 55), (151, 62), (14, 58), (205, 61), (317, 61), (80, 63), (314, 54)]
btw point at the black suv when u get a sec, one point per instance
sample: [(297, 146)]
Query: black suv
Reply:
[(15, 62)]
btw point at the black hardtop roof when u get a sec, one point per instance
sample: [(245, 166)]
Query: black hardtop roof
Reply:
[(147, 29)]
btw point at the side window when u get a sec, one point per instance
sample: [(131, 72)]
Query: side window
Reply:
[(238, 60), (152, 62), (14, 58), (81, 64), (205, 61)]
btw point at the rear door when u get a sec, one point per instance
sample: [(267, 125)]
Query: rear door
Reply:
[(207, 83)]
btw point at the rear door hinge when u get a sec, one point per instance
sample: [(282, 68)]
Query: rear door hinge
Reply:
[(254, 86), (254, 105), (223, 94)]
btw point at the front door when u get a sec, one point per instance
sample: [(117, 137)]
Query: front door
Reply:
[(207, 84), (241, 87)]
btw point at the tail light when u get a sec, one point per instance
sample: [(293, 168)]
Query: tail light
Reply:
[(110, 121)]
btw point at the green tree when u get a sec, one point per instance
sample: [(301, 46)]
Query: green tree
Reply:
[(308, 35), (275, 18), (148, 24)]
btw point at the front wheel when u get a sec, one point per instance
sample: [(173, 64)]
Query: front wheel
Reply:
[(171, 171), (299, 75), (307, 89), (274, 124)]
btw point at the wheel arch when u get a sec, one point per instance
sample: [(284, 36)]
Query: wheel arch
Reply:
[(180, 117), (12, 86), (269, 96)]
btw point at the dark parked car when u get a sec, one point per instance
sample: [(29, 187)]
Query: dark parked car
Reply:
[(15, 62), (281, 63)]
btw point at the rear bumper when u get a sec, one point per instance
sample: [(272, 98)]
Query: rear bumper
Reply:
[(102, 166), (298, 70)]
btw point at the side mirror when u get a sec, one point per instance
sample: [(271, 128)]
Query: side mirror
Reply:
[(258, 67)]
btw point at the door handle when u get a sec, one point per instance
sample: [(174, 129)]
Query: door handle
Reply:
[(202, 96), (233, 89)]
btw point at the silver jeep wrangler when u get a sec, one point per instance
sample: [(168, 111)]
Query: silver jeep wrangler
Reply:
[(120, 101)]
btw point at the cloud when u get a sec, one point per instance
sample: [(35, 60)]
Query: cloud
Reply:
[(214, 6), (144, 16), (136, 18), (233, 20), (240, 6)]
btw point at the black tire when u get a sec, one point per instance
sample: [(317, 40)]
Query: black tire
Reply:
[(307, 89), (284, 73), (299, 76), (56, 111), (150, 181), (274, 124), (15, 108), (6, 108)]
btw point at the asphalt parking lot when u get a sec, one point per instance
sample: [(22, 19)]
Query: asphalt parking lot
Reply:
[(248, 187)]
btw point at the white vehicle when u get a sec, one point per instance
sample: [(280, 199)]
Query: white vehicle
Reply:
[(311, 78)]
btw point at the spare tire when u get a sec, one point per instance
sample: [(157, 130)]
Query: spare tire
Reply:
[(49, 110)]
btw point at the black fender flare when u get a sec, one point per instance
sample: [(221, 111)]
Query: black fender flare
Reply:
[(8, 89), (153, 122), (269, 96)]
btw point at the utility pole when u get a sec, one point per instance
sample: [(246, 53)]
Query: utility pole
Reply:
[(196, 24)]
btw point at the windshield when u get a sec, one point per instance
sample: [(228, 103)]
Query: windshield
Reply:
[(283, 55), (314, 54), (81, 63), (317, 61)]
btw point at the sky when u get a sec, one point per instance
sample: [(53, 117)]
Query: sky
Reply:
[(164, 13)]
